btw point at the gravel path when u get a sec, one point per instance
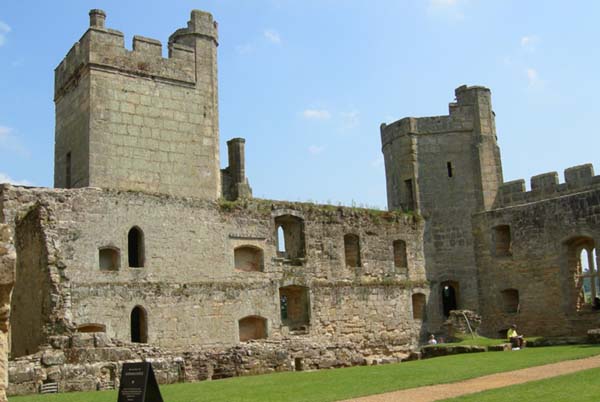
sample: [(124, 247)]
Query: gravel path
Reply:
[(443, 391)]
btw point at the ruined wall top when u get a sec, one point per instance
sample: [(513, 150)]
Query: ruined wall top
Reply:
[(103, 47), (461, 116), (546, 185)]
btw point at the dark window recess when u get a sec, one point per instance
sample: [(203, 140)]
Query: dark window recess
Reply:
[(139, 325), (502, 240), (352, 250), (449, 297), (68, 170), (450, 170), (135, 247), (409, 199)]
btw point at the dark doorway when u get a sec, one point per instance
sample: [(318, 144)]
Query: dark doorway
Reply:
[(139, 325), (449, 297)]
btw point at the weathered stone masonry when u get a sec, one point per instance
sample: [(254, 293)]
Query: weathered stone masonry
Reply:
[(198, 298), (148, 250)]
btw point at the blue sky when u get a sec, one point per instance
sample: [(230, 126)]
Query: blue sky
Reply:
[(308, 83)]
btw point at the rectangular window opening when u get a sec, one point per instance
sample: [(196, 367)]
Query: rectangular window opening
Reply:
[(449, 166)]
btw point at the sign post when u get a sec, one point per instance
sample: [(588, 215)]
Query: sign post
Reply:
[(138, 384)]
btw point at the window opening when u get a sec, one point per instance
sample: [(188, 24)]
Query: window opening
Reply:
[(510, 300), (68, 170), (449, 167), (400, 259), (352, 250), (295, 307), (139, 325), (502, 241), (449, 297), (589, 278), (280, 240), (409, 200), (418, 305), (248, 259), (135, 240), (290, 241), (252, 327), (109, 259)]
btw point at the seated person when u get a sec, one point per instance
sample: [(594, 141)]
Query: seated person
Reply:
[(515, 339), (432, 340)]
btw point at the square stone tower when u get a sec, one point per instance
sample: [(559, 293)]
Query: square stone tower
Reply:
[(446, 168), (133, 120)]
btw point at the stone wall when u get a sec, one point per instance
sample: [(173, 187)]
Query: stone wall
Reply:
[(92, 361), (540, 267), (7, 278), (189, 291)]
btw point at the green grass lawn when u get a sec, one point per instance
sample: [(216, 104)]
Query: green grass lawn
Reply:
[(581, 387), (331, 385)]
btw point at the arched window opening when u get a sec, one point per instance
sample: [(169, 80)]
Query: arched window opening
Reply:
[(418, 306), (139, 325), (249, 259), (135, 247), (109, 259), (252, 327), (510, 301), (352, 250), (400, 259), (280, 240), (294, 307), (449, 297), (502, 241), (293, 236), (583, 266), (91, 327)]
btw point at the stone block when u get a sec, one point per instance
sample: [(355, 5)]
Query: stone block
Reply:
[(82, 340), (53, 358)]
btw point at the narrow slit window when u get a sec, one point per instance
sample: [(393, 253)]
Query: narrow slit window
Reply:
[(450, 170), (68, 170), (409, 199)]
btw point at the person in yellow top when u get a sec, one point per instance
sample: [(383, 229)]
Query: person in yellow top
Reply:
[(515, 339)]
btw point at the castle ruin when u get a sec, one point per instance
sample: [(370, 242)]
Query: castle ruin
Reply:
[(147, 250)]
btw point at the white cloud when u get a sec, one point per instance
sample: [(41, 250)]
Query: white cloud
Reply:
[(4, 178), (447, 8), (529, 42), (350, 119), (272, 36), (315, 149), (10, 142), (533, 78), (4, 29), (316, 114)]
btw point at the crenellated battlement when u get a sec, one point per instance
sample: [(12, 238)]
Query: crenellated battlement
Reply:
[(104, 48), (135, 120), (461, 117), (546, 185)]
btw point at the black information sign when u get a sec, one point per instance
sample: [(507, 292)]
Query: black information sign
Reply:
[(138, 384)]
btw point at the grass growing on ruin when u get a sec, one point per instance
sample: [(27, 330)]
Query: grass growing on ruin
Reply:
[(331, 385), (582, 386)]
